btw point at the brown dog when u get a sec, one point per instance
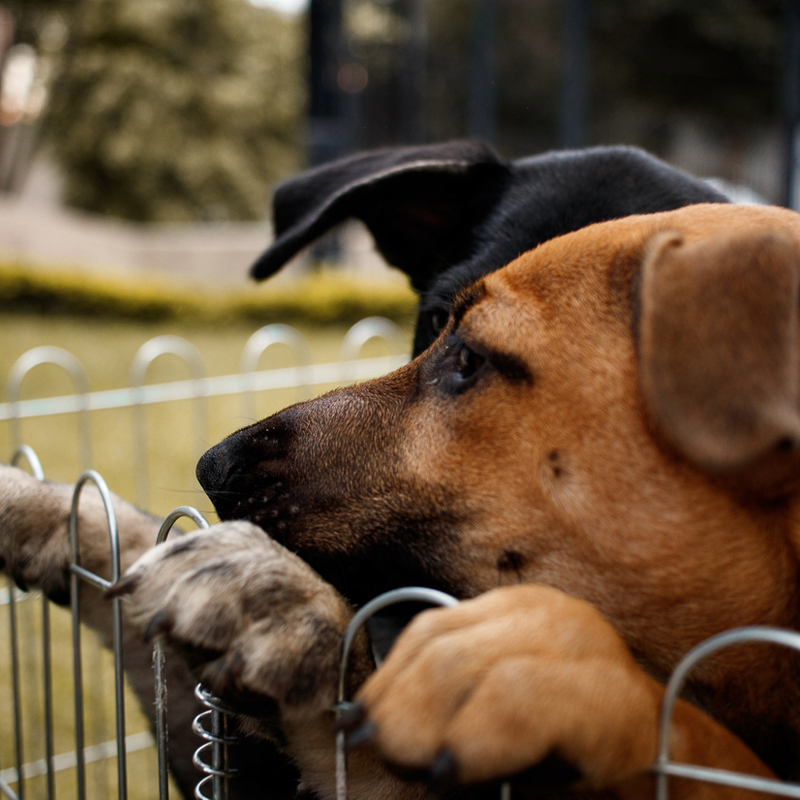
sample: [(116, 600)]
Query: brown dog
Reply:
[(601, 450)]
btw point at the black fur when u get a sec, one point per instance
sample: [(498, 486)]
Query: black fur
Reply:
[(446, 214)]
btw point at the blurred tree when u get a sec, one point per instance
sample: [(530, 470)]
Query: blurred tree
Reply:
[(29, 15), (173, 110), (719, 60), (650, 61)]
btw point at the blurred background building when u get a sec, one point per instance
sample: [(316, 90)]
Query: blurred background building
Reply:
[(185, 112)]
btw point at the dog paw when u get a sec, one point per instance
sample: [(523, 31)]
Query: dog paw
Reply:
[(34, 546), (34, 538), (520, 681), (256, 624)]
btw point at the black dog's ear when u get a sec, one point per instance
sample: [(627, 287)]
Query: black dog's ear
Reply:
[(421, 204)]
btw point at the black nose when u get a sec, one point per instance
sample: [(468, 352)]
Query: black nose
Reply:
[(213, 468), (216, 474), (249, 464)]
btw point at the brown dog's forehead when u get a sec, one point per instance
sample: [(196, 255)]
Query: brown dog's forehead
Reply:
[(592, 269), (538, 292)]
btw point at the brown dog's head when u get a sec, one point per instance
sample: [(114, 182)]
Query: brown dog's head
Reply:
[(615, 413)]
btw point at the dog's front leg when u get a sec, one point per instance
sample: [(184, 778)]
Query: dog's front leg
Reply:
[(36, 552), (528, 683), (263, 631), (34, 540)]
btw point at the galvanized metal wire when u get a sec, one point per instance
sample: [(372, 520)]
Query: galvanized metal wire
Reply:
[(159, 658), (259, 343), (57, 356), (405, 595), (362, 332), (78, 573), (27, 453), (217, 740), (198, 388), (145, 356)]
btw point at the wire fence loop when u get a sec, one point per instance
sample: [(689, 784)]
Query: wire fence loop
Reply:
[(47, 354), (410, 593), (77, 573), (262, 340), (359, 334), (160, 660), (145, 356), (664, 768)]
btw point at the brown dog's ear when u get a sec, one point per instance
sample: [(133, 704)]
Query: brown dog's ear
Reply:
[(421, 204), (718, 351)]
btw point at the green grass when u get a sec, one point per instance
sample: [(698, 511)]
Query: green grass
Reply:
[(106, 346)]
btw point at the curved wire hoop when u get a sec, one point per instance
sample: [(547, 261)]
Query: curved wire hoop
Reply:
[(414, 593), (664, 767)]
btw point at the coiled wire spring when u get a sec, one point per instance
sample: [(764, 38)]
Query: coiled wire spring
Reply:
[(217, 740)]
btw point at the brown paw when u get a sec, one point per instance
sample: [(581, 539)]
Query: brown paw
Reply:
[(511, 682)]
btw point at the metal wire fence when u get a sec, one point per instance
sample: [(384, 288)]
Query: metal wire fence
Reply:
[(22, 776), (33, 728)]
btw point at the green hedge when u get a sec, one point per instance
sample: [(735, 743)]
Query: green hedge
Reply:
[(322, 297)]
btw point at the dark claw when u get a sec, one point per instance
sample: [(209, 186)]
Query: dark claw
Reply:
[(348, 716), (125, 585), (551, 774), (444, 770), (363, 734), (162, 622), (59, 595)]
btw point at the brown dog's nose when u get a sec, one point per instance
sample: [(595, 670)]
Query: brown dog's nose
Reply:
[(250, 463), (213, 468), (214, 471)]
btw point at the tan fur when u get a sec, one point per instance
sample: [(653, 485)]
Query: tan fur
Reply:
[(506, 679)]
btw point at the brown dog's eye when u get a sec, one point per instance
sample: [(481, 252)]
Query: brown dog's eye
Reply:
[(460, 366), (469, 362)]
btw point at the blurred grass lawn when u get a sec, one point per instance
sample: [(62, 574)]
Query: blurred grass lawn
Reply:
[(106, 347)]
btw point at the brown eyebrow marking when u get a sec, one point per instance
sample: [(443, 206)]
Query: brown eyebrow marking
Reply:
[(466, 299)]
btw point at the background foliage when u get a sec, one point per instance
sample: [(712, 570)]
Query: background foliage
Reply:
[(171, 111), (323, 297)]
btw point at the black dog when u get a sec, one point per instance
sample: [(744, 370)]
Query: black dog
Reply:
[(446, 214)]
